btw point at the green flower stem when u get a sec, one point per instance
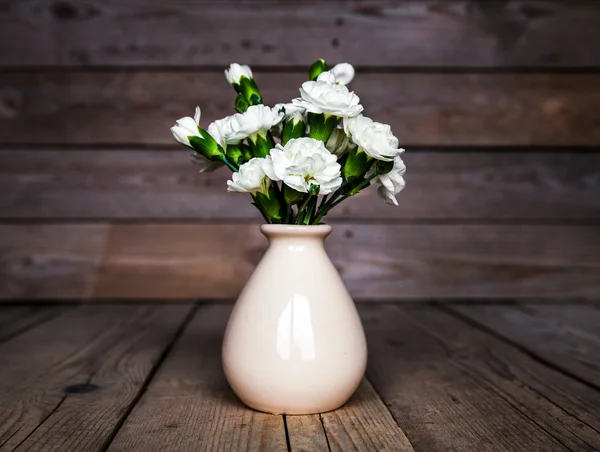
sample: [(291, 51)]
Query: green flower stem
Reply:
[(310, 210), (302, 207), (257, 205), (231, 166), (335, 198), (287, 209)]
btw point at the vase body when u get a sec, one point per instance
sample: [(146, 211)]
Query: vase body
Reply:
[(294, 343)]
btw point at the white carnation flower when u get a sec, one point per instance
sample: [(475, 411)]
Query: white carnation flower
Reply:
[(339, 143), (325, 96), (343, 72), (303, 162), (236, 72), (250, 178), (187, 127), (392, 183), (258, 119), (375, 138), (289, 110)]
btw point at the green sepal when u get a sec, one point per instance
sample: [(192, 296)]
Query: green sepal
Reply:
[(314, 189), (269, 205), (249, 90), (317, 68), (321, 125), (207, 146), (241, 104), (292, 196), (292, 129), (384, 167), (356, 165), (260, 145), (246, 153), (235, 155)]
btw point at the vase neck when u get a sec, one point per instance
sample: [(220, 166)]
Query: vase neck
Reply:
[(293, 233)]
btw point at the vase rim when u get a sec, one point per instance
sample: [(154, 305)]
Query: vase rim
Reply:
[(295, 229)]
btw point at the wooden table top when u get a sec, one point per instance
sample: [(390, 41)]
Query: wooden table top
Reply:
[(451, 377)]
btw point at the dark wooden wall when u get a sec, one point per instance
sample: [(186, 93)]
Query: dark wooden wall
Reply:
[(497, 102)]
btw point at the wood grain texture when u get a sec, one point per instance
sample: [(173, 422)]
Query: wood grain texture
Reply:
[(364, 423), (188, 406), (378, 262), (427, 33), (107, 107), (67, 384), (567, 336), (56, 261), (162, 184), (15, 320), (453, 387), (306, 433)]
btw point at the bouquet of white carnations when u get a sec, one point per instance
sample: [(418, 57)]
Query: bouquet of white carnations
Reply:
[(298, 160)]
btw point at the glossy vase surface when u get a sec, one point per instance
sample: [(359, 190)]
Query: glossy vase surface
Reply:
[(294, 343)]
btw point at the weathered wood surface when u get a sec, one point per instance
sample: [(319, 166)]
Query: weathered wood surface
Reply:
[(364, 423), (15, 320), (453, 387), (190, 389), (52, 261), (188, 406), (87, 107), (148, 378), (68, 383), (162, 184), (378, 261), (405, 33), (568, 338)]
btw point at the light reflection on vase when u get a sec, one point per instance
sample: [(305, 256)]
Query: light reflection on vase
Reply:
[(294, 342), (295, 324)]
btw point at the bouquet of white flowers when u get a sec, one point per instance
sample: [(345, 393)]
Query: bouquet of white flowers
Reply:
[(301, 159)]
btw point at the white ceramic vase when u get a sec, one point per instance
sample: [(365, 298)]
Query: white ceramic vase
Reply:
[(294, 343)]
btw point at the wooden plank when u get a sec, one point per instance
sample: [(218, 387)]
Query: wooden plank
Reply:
[(54, 261), (377, 261), (15, 320), (430, 33), (162, 184), (453, 387), (306, 433), (87, 107), (188, 406), (567, 336), (364, 423), (67, 384)]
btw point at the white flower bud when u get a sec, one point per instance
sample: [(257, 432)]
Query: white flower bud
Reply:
[(236, 72)]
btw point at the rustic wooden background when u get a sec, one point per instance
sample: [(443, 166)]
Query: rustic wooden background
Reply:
[(497, 102)]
